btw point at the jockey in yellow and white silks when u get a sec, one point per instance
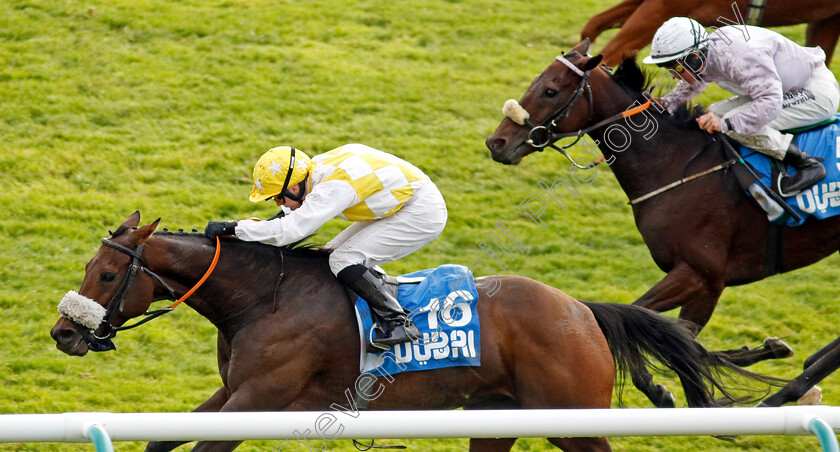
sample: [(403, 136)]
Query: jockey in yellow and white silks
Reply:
[(395, 207), (778, 85)]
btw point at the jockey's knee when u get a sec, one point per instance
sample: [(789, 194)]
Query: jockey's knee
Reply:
[(343, 258)]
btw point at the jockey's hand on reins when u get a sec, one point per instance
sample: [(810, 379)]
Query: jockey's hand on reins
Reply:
[(217, 228)]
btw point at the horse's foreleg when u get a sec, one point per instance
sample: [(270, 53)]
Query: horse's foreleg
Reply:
[(822, 352), (639, 28), (824, 33), (610, 18), (636, 33), (213, 404), (828, 362)]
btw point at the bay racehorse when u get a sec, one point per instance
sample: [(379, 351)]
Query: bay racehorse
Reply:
[(639, 19), (288, 338), (705, 233)]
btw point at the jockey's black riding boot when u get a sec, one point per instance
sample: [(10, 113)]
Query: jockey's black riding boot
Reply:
[(809, 171), (366, 283)]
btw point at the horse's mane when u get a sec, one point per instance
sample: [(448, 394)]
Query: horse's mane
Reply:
[(635, 81), (297, 249)]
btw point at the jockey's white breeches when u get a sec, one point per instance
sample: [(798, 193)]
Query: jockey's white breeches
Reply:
[(816, 102), (417, 223)]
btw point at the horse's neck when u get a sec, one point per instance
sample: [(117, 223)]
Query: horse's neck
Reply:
[(244, 286), (183, 260), (658, 152)]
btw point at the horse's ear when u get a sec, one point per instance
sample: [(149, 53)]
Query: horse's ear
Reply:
[(582, 47), (132, 221), (144, 232), (592, 63)]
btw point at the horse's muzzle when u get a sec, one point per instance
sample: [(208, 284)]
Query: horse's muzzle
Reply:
[(76, 341), (502, 152)]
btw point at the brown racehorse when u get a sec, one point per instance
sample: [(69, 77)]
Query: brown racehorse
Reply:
[(288, 338), (706, 234), (639, 20)]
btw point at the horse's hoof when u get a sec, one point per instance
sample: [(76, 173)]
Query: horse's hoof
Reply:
[(727, 438), (666, 398), (779, 348), (723, 402), (812, 397)]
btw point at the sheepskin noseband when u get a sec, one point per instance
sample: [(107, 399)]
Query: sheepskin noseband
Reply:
[(515, 112), (81, 310)]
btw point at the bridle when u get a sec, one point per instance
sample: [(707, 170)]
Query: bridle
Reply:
[(542, 135), (105, 331)]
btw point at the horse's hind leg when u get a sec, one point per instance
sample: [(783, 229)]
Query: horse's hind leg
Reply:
[(828, 362), (582, 444), (773, 348), (610, 18), (491, 444), (656, 393)]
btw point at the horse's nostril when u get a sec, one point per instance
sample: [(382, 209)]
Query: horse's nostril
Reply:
[(495, 143), (62, 334)]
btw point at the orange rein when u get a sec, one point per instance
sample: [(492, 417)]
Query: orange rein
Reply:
[(633, 111), (203, 278), (626, 114)]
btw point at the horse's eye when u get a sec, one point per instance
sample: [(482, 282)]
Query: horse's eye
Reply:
[(549, 92), (107, 277)]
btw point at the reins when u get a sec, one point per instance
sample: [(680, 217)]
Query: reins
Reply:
[(679, 182), (541, 136), (115, 305), (203, 278), (580, 133)]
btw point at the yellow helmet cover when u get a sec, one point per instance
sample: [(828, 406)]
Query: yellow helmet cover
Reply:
[(271, 169)]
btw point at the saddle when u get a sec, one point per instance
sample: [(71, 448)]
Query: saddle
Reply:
[(822, 200), (442, 304), (393, 283)]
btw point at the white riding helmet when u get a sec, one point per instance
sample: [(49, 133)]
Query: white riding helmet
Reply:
[(677, 37)]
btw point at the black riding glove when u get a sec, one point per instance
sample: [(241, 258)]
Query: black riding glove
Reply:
[(216, 228)]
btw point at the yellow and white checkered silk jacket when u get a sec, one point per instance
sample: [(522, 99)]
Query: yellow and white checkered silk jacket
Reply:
[(381, 182), (355, 182)]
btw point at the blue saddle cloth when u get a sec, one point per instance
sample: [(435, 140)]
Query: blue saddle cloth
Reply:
[(822, 200), (443, 306)]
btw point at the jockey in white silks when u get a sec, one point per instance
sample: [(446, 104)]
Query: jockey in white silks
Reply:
[(395, 207), (778, 85)]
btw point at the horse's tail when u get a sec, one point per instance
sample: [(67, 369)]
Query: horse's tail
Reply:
[(635, 333)]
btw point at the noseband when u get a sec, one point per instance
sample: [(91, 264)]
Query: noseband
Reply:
[(115, 306)]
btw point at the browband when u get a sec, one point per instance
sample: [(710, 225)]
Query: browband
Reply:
[(571, 66)]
